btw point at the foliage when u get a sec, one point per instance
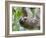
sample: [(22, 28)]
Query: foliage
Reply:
[(16, 13)]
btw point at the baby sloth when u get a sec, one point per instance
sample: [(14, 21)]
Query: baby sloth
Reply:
[(30, 22)]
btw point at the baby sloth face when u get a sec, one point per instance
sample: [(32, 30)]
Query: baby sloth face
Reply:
[(24, 19)]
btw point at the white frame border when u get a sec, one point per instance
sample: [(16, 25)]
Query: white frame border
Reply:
[(24, 32)]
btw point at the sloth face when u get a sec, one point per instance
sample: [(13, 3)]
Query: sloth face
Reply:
[(23, 20)]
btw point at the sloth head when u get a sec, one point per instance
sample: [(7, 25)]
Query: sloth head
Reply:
[(28, 22)]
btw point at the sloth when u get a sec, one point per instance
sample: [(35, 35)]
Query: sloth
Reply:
[(28, 21)]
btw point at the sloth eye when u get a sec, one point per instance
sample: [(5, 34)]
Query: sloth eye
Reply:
[(25, 19)]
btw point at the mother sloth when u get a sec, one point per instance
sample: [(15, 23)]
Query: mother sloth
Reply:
[(30, 21)]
